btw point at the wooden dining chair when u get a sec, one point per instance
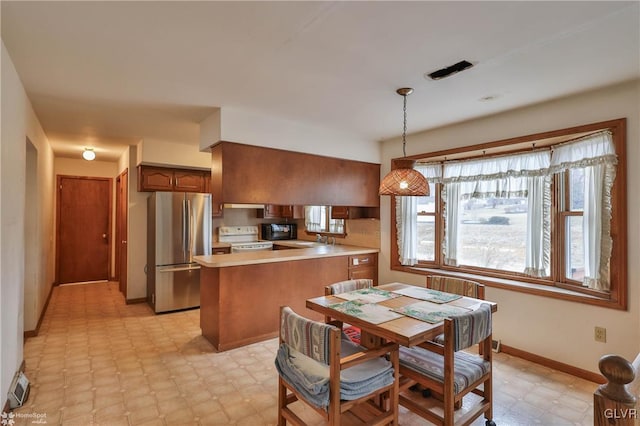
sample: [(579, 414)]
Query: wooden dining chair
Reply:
[(456, 286), (345, 287), (452, 372), (333, 376)]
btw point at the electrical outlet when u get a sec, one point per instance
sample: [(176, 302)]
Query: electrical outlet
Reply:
[(600, 334)]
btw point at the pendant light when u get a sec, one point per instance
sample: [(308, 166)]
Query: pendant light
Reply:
[(404, 180)]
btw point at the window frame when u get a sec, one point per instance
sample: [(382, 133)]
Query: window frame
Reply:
[(327, 225), (566, 289)]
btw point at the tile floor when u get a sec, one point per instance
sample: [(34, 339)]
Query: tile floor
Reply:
[(98, 361)]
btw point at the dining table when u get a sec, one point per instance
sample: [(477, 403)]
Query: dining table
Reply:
[(393, 317)]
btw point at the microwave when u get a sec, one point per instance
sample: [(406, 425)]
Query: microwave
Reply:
[(279, 231)]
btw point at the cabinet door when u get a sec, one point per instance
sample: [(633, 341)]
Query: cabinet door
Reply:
[(270, 211), (286, 212), (364, 266), (188, 181), (339, 212), (154, 179), (364, 272)]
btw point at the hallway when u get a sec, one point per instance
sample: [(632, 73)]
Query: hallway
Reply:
[(98, 361)]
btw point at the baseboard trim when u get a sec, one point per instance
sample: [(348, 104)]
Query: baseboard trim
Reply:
[(7, 406), (34, 333), (134, 301), (556, 365)]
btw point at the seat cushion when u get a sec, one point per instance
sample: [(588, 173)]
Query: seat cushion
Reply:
[(439, 339), (468, 368), (311, 378)]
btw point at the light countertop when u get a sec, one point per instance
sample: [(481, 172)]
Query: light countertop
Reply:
[(303, 250)]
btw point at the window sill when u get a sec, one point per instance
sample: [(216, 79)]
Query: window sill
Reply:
[(520, 286)]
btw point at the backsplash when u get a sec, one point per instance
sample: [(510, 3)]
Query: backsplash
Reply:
[(360, 232)]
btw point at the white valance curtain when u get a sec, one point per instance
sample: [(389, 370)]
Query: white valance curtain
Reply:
[(596, 155), (502, 176)]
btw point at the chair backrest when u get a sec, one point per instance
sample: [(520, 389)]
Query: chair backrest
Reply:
[(456, 286), (311, 338), (346, 286), (469, 328)]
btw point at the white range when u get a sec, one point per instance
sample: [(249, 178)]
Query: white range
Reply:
[(242, 238)]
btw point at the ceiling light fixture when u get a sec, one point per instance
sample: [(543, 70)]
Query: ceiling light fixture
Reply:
[(88, 154), (404, 180)]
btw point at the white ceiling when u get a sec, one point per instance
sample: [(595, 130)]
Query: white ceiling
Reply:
[(107, 74)]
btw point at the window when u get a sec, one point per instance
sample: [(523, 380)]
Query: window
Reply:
[(318, 220), (537, 210), (426, 219), (571, 191)]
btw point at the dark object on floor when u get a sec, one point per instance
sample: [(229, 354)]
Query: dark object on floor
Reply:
[(352, 333)]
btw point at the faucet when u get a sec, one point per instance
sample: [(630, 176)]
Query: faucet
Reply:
[(324, 239)]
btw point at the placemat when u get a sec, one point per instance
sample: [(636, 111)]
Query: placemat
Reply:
[(369, 312), (434, 296), (368, 295), (430, 312)]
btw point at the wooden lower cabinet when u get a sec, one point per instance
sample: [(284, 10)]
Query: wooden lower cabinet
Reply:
[(240, 305), (364, 266)]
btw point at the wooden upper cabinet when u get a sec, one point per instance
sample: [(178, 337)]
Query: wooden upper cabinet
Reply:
[(286, 212), (248, 174), (188, 181), (345, 212), (270, 211), (151, 178), (276, 211), (154, 179)]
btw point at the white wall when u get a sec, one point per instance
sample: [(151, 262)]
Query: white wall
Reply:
[(552, 328), (159, 152), (254, 128), (18, 124), (137, 233)]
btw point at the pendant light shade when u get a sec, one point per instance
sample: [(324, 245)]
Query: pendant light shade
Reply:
[(403, 179)]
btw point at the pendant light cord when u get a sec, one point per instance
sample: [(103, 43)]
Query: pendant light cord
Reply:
[(404, 129)]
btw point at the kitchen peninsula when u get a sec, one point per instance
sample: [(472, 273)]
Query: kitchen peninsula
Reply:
[(241, 293)]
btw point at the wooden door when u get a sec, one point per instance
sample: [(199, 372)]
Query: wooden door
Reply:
[(83, 229), (122, 197)]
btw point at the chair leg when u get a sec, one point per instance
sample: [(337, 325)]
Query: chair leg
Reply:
[(282, 402)]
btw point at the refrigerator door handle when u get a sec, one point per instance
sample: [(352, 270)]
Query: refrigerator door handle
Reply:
[(185, 224), (189, 224)]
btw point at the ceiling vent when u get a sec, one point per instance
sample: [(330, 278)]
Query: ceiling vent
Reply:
[(446, 72)]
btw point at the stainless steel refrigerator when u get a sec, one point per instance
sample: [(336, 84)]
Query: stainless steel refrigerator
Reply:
[(178, 228)]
